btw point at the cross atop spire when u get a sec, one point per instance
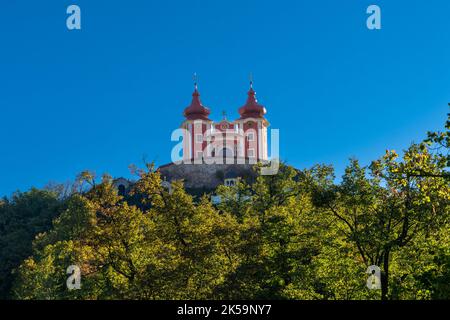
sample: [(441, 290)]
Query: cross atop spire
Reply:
[(196, 110), (195, 79), (252, 109)]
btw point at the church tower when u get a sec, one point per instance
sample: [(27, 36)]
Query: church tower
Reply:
[(254, 126), (195, 126)]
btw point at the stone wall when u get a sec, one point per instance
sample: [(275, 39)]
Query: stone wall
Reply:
[(206, 176)]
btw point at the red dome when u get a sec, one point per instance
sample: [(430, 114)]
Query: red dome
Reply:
[(252, 109), (196, 111)]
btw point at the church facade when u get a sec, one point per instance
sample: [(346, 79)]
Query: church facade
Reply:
[(243, 140), (216, 153)]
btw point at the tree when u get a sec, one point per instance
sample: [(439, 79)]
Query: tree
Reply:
[(439, 143), (173, 248), (383, 209), (22, 217), (276, 238)]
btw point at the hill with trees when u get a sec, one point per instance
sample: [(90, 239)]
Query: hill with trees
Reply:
[(295, 235)]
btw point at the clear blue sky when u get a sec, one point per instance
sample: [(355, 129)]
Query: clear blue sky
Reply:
[(103, 97)]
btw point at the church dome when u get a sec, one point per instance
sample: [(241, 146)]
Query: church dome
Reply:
[(196, 111), (252, 109)]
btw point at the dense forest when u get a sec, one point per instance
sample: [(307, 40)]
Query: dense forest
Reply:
[(300, 234)]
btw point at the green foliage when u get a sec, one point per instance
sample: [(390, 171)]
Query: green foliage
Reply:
[(294, 235), (21, 218)]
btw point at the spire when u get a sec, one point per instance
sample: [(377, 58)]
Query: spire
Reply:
[(252, 109), (196, 110), (224, 115), (195, 78)]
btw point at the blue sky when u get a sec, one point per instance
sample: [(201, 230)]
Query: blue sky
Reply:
[(104, 97)]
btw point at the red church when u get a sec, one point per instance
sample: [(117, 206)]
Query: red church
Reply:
[(216, 153), (243, 140)]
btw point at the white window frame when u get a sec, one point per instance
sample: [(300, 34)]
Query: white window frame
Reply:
[(251, 134), (197, 140), (252, 150)]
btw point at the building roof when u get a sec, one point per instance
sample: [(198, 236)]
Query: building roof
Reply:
[(252, 109), (196, 110)]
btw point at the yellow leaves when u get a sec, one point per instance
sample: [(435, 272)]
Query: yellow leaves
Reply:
[(29, 263), (168, 245), (391, 154)]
